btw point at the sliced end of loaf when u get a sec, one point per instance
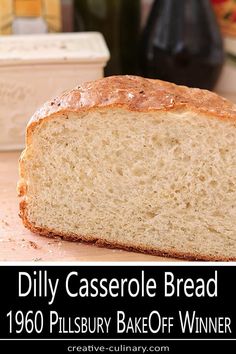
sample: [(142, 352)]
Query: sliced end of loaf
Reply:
[(157, 182)]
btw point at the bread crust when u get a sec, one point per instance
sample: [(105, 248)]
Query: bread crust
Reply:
[(135, 94)]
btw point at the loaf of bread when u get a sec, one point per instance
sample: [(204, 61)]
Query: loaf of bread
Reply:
[(134, 163)]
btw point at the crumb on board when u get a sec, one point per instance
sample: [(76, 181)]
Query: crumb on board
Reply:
[(4, 222), (34, 245), (37, 259)]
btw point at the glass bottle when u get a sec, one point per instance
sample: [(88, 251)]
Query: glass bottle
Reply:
[(181, 43)]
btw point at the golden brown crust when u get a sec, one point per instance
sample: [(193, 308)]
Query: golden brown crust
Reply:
[(103, 243), (137, 94)]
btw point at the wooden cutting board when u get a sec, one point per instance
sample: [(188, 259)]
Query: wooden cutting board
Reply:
[(19, 244)]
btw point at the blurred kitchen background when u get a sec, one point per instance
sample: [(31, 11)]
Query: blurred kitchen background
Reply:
[(48, 46)]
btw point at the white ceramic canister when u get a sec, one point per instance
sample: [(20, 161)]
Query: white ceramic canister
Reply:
[(36, 68)]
